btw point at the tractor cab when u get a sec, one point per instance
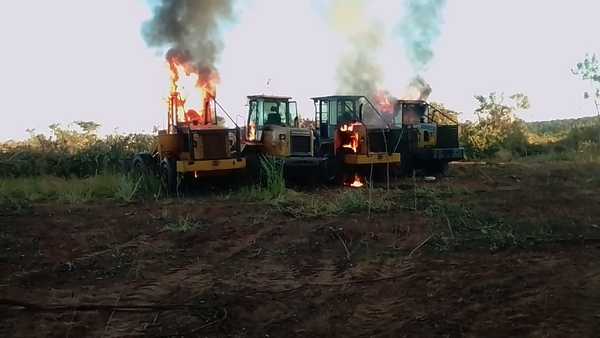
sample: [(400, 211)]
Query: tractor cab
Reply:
[(410, 112), (266, 112), (431, 134), (181, 117), (334, 111), (351, 130), (273, 129), (414, 116)]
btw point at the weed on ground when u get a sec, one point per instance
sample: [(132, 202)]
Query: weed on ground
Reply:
[(185, 224)]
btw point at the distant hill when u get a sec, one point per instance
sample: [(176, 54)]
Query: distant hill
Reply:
[(563, 126)]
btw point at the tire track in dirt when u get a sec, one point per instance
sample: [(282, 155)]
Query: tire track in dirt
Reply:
[(186, 283)]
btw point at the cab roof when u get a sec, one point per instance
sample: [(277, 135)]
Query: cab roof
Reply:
[(412, 101), (268, 97), (343, 97)]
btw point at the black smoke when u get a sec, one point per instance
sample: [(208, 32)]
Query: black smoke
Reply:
[(190, 29)]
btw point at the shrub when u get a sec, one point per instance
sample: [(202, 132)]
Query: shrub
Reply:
[(75, 151)]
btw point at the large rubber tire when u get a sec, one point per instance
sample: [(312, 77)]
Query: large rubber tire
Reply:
[(144, 164), (252, 171), (328, 170), (168, 177), (444, 168), (437, 167), (407, 165)]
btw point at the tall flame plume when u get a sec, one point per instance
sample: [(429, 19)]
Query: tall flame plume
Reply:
[(192, 89)]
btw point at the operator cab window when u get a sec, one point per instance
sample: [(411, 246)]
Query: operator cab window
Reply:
[(253, 111), (293, 109), (413, 113), (346, 111), (275, 112), (324, 111), (398, 115)]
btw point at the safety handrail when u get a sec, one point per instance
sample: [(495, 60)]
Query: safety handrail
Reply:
[(227, 114), (444, 114)]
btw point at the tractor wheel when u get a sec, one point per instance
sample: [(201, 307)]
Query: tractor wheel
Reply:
[(253, 168), (143, 165), (444, 168), (407, 165), (437, 168), (313, 178), (168, 176), (328, 171)]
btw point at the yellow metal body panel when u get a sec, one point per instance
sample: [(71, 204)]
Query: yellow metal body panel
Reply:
[(372, 158), (199, 146), (211, 165), (276, 141), (169, 143)]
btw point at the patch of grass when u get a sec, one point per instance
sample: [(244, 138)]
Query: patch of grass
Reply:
[(348, 201), (24, 191), (585, 154), (272, 176), (75, 193), (128, 187), (272, 182), (357, 201), (184, 224), (9, 204), (459, 226), (303, 205)]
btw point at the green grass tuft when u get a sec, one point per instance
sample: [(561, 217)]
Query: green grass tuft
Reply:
[(184, 224), (27, 190)]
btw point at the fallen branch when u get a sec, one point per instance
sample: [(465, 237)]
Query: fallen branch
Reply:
[(26, 306), (420, 245), (341, 241)]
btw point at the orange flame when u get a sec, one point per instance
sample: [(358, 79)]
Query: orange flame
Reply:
[(357, 183), (383, 102), (353, 139), (193, 87), (252, 132)]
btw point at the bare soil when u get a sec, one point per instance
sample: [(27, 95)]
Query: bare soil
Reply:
[(105, 269)]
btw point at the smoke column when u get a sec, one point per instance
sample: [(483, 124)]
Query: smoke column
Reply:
[(419, 30), (358, 71), (190, 29)]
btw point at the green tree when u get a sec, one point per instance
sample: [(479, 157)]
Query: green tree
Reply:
[(589, 70), (497, 126), (442, 115)]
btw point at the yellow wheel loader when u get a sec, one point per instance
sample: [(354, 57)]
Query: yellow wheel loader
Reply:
[(273, 130), (193, 146), (430, 139), (354, 138)]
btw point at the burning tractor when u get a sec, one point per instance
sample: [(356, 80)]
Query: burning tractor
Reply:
[(194, 144), (355, 139), (273, 130), (430, 136)]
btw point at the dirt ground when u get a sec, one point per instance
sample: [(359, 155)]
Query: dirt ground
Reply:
[(247, 270)]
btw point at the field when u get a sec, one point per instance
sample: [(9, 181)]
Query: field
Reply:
[(492, 250)]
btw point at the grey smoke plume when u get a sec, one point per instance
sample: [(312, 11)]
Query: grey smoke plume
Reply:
[(419, 30), (357, 71), (418, 89), (190, 28)]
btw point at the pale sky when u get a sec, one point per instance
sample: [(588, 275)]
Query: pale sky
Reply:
[(67, 60)]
